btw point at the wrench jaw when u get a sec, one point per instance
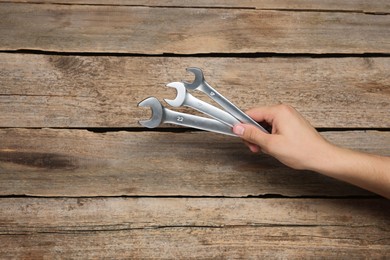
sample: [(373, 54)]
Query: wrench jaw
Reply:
[(157, 112), (181, 94), (198, 81)]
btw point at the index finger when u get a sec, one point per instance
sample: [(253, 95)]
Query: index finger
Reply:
[(261, 114)]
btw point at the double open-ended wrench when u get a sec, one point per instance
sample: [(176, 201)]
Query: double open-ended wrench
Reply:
[(184, 98), (160, 115), (200, 84)]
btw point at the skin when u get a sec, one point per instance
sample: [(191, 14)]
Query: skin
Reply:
[(297, 144)]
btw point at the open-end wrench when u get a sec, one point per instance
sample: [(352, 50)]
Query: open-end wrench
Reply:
[(162, 115), (200, 84), (184, 98)]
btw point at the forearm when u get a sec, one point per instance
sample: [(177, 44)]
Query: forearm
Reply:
[(368, 171)]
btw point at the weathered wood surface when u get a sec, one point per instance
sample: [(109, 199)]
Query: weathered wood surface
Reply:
[(127, 29), (136, 194), (195, 227), (83, 91), (379, 6), (102, 214), (203, 243), (52, 162)]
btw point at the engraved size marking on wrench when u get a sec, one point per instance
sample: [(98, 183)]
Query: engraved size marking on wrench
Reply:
[(184, 98), (180, 119)]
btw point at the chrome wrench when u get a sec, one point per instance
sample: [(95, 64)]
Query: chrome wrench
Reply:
[(184, 98), (161, 115), (200, 84)]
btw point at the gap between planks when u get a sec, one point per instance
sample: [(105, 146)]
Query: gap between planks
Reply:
[(253, 55), (260, 196), (325, 6)]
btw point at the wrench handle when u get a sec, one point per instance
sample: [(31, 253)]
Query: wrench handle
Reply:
[(202, 123), (228, 106), (210, 110)]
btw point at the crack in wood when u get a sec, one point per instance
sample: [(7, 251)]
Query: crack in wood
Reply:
[(90, 229)]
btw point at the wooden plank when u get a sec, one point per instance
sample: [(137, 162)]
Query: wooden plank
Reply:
[(201, 243), (127, 29), (200, 228), (48, 162), (51, 215), (379, 6), (84, 91)]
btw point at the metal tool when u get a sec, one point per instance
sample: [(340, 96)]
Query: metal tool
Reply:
[(184, 98), (160, 115), (200, 84)]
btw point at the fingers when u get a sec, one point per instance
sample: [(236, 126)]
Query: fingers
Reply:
[(256, 139), (260, 114), (252, 135), (253, 147)]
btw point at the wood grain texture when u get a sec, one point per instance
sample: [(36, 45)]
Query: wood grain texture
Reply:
[(54, 215), (50, 162), (197, 228), (83, 91), (127, 29), (202, 243), (140, 194), (379, 6)]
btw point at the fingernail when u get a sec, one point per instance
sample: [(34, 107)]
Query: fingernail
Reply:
[(238, 130)]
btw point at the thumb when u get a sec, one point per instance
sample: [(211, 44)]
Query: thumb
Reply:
[(251, 134)]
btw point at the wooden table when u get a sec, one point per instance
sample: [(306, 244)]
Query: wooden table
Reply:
[(79, 178)]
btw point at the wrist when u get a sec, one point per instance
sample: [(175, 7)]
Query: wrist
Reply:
[(367, 171), (326, 159)]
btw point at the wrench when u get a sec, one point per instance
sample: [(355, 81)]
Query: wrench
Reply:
[(160, 115), (200, 84), (184, 98)]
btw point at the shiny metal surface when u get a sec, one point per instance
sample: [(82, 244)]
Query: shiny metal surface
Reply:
[(184, 98), (161, 115), (200, 84)]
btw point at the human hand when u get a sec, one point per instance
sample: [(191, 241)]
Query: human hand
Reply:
[(293, 140), (297, 144)]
